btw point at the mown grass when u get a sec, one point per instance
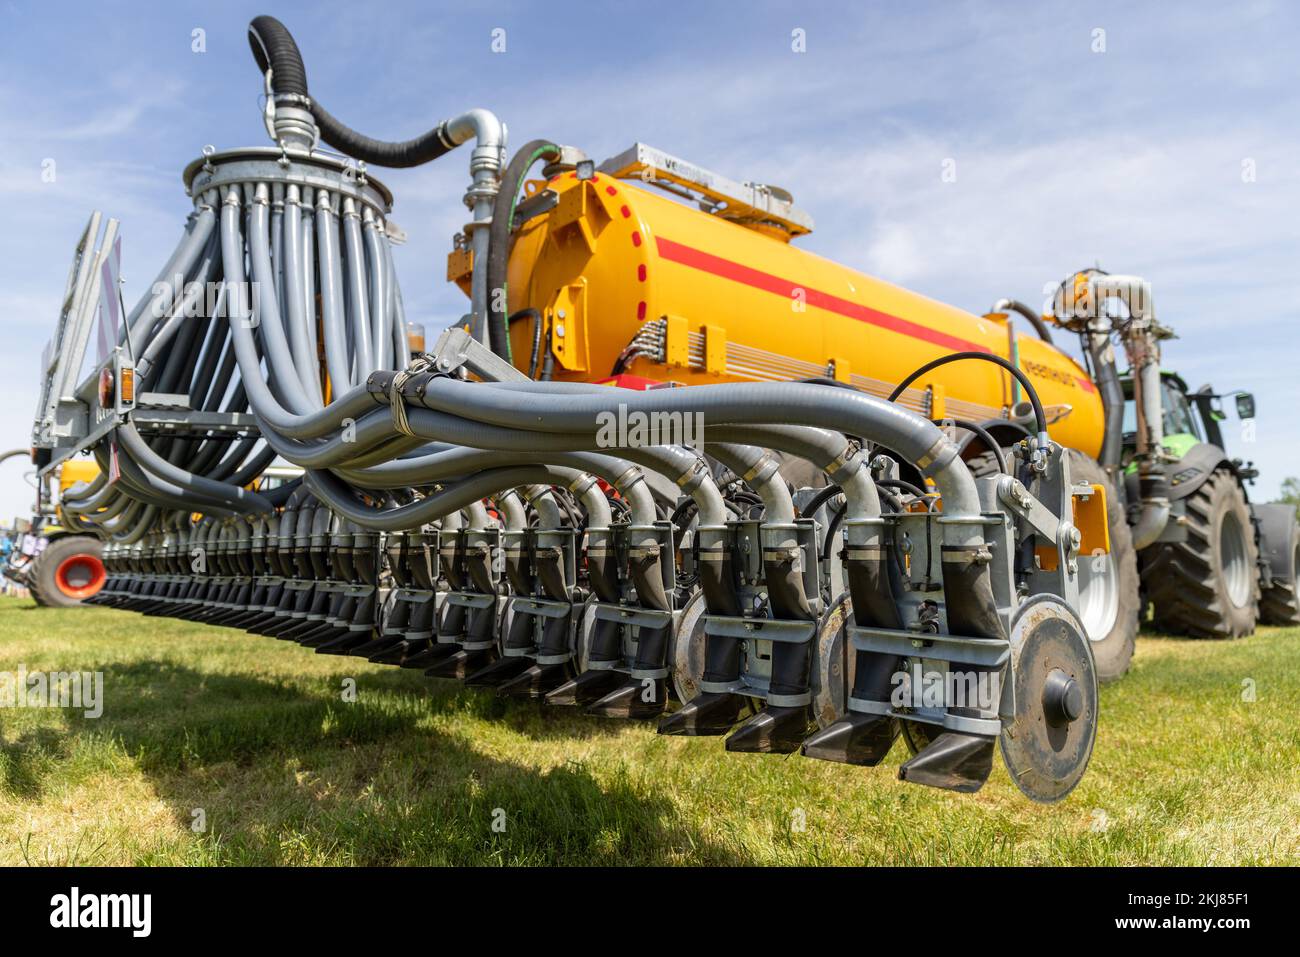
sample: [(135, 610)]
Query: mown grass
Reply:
[(254, 738)]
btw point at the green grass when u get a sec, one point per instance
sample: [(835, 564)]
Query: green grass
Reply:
[(255, 732)]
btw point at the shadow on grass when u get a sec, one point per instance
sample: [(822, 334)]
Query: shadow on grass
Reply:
[(21, 760), (291, 776)]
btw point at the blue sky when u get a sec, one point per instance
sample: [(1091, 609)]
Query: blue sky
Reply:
[(1065, 157)]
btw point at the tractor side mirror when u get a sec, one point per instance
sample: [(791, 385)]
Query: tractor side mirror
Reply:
[(1245, 405)]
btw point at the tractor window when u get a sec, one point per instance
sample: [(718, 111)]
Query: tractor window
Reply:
[(1179, 418)]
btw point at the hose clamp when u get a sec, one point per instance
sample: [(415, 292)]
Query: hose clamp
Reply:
[(938, 454), (396, 402), (582, 484), (537, 491), (849, 456), (628, 478), (763, 469), (691, 479)]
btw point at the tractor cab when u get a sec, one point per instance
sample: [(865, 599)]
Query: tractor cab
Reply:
[(1189, 418)]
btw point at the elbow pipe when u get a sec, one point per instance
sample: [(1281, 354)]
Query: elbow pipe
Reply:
[(1154, 515), (513, 516), (830, 451), (758, 469), (594, 502), (543, 501)]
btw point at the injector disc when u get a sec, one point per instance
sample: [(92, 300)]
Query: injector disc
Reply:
[(1046, 746)]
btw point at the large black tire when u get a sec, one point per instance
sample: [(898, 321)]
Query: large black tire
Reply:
[(68, 572), (1109, 585), (1279, 604), (1207, 586)]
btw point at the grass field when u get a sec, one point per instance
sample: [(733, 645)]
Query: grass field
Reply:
[(219, 747)]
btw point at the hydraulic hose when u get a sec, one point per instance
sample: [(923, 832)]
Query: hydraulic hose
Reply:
[(1040, 417), (503, 215)]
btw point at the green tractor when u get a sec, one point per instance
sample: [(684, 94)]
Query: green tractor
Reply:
[(1222, 563), (1212, 564)]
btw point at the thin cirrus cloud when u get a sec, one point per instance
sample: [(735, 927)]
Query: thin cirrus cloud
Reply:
[(1064, 157)]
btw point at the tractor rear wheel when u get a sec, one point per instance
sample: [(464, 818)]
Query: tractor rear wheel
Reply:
[(69, 571), (1279, 604), (1108, 583), (1207, 586)]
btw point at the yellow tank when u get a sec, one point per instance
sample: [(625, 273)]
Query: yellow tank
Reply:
[(77, 470), (72, 472), (629, 282)]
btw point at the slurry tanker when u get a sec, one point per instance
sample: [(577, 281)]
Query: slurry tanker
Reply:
[(666, 467)]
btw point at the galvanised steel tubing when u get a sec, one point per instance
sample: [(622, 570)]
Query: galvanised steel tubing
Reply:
[(744, 460), (827, 450)]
